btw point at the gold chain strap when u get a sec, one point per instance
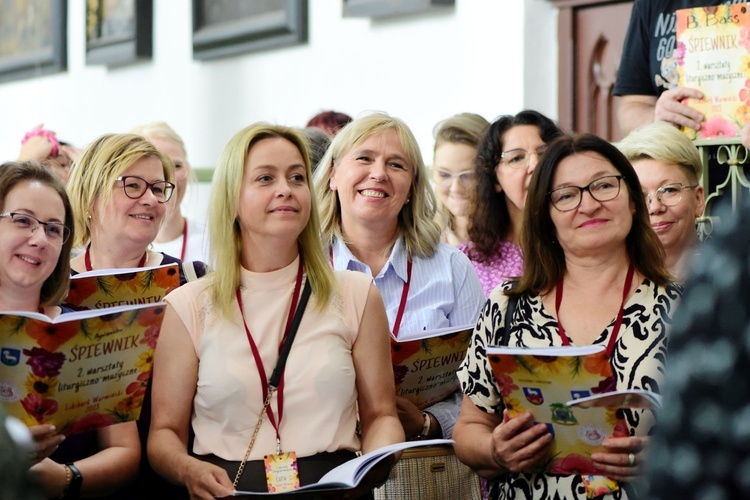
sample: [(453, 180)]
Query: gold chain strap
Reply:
[(271, 390)]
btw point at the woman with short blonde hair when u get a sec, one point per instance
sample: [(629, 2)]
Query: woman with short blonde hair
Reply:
[(669, 168)]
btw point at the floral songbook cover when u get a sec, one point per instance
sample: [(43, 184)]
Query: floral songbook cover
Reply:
[(81, 370), (118, 287), (544, 382), (425, 363), (713, 56)]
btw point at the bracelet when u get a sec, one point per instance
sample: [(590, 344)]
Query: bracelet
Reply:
[(46, 133), (74, 489), (426, 427), (68, 477)]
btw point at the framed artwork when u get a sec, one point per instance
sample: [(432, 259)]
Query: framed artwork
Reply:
[(229, 27), (392, 8), (33, 38), (118, 32)]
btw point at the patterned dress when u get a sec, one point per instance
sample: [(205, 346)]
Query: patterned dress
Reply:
[(506, 263), (637, 362)]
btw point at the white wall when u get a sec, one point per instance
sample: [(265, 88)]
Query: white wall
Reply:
[(491, 57)]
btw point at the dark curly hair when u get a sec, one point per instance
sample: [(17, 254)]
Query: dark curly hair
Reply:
[(490, 222)]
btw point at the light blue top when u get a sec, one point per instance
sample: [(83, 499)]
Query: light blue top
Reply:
[(444, 291)]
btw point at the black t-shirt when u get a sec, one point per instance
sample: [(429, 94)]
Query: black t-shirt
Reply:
[(648, 65)]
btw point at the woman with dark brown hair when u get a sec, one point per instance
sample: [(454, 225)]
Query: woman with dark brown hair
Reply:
[(585, 232)]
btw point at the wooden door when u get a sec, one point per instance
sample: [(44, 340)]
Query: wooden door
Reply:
[(591, 36)]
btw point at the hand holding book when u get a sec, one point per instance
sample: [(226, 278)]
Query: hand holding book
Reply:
[(543, 385)]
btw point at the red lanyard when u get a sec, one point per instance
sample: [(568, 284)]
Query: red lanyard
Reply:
[(618, 321), (87, 259), (402, 304), (404, 294), (259, 360), (184, 238)]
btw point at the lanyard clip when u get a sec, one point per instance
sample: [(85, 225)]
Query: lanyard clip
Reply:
[(278, 446)]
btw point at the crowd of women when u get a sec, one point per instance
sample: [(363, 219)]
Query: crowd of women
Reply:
[(321, 269)]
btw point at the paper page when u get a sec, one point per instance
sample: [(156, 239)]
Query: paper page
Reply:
[(546, 351), (426, 334), (631, 398)]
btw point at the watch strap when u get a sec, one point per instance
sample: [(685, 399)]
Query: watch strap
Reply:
[(74, 488)]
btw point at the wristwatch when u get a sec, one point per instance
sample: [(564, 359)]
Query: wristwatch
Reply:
[(73, 492)]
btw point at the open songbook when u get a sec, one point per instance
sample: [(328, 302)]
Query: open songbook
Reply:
[(371, 468), (425, 363), (103, 288), (80, 370)]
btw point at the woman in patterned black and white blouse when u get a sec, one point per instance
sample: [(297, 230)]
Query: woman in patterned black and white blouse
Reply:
[(586, 231)]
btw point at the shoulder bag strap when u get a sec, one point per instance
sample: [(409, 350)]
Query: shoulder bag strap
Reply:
[(279, 370), (512, 302)]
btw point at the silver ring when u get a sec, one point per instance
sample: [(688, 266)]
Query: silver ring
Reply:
[(631, 459)]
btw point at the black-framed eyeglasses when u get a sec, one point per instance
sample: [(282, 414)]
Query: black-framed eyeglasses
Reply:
[(519, 158), (569, 198), (135, 187), (668, 195), (55, 232)]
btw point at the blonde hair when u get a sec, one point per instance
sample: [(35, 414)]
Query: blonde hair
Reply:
[(662, 142), (97, 170), (224, 230), (160, 130), (416, 220), (463, 128)]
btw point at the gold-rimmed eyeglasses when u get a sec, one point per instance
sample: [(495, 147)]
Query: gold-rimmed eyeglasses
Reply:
[(668, 195), (519, 158), (466, 178), (55, 232)]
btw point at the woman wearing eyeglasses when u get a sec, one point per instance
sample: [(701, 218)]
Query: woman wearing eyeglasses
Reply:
[(119, 189), (506, 158), (669, 168), (594, 265), (35, 243), (453, 174)]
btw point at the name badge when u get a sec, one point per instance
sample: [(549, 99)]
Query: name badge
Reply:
[(282, 473)]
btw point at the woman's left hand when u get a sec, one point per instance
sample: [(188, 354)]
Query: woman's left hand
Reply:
[(623, 457)]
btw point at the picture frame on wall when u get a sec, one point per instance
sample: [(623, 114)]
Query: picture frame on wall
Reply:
[(224, 28), (393, 8), (118, 32), (33, 38)]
